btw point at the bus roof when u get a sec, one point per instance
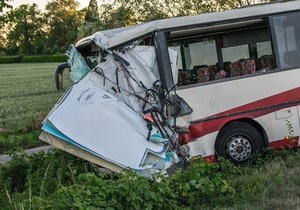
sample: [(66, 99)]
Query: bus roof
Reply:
[(119, 36)]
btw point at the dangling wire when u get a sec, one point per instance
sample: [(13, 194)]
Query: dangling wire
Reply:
[(154, 110), (99, 71)]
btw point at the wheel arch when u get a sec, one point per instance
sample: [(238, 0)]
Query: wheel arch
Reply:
[(252, 122)]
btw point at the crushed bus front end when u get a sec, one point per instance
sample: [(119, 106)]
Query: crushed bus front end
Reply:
[(120, 112)]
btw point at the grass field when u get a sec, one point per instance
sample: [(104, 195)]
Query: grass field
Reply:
[(27, 95)]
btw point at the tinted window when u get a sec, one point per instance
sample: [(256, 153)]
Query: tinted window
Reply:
[(264, 48), (231, 54), (194, 55), (200, 53), (286, 29)]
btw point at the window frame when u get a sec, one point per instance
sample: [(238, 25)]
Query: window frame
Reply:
[(274, 51)]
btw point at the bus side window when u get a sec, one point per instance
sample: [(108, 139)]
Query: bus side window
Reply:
[(197, 60), (223, 54), (248, 51), (286, 31)]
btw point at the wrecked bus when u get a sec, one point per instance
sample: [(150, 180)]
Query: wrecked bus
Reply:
[(156, 95)]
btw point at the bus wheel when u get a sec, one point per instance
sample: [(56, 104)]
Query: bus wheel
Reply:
[(238, 141)]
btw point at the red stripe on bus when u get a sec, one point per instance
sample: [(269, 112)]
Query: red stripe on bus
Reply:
[(285, 143), (203, 128), (210, 158)]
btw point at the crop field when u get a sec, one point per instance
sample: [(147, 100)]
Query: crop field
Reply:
[(27, 95)]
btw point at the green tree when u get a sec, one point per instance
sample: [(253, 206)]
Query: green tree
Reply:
[(92, 14), (129, 12), (115, 17), (4, 4), (92, 21), (123, 13), (25, 24), (141, 10), (63, 23), (2, 39), (2, 33)]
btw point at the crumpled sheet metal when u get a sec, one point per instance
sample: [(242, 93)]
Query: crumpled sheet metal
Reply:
[(107, 124)]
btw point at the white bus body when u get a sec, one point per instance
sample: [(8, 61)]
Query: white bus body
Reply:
[(270, 102)]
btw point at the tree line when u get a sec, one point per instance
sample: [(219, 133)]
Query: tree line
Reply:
[(28, 30)]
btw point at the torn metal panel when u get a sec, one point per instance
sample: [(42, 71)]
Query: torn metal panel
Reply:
[(89, 117), (129, 83), (101, 117)]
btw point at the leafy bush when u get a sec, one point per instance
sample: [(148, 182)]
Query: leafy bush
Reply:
[(187, 188), (38, 175), (33, 59), (10, 59), (44, 58), (61, 181)]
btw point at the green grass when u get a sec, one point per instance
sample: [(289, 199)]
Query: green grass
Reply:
[(273, 183), (27, 95), (25, 140)]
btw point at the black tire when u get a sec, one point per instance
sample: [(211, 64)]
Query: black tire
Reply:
[(238, 141)]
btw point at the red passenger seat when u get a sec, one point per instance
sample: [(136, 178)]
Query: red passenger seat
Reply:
[(248, 66), (213, 69), (202, 74), (235, 69)]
